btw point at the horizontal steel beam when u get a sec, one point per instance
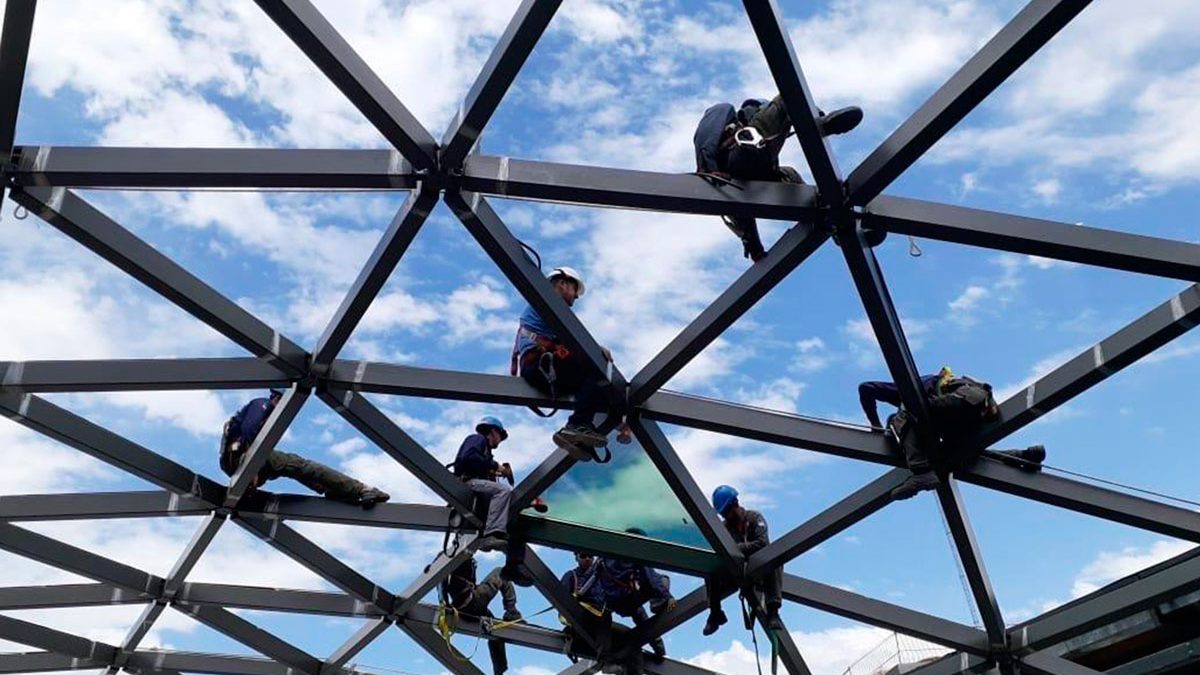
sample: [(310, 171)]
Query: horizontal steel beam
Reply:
[(771, 427), (330, 52), (885, 615), (162, 661), (1034, 236), (425, 517), (622, 188), (1024, 35), (68, 595), (1140, 338), (958, 663), (140, 375), (454, 385), (44, 662), (277, 600), (96, 505), (85, 224), (233, 168)]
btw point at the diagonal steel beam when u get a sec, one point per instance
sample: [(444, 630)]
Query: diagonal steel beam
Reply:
[(95, 505), (885, 615), (383, 432), (972, 563), (767, 22), (1033, 27), (786, 648), (330, 52), (84, 223), (56, 641), (14, 54), (1146, 334), (73, 559), (299, 548), (1082, 497), (568, 607), (792, 249), (362, 638), (1047, 663), (375, 273), (686, 608), (509, 54), (431, 642), (505, 250), (252, 636), (1034, 236), (813, 532), (434, 573), (140, 375), (515, 178), (552, 468), (65, 427), (658, 449), (264, 443), (454, 385), (183, 168)]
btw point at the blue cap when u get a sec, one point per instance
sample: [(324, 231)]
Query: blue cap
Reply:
[(494, 422), (723, 497)]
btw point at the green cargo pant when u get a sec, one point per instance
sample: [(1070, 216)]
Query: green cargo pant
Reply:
[(313, 475)]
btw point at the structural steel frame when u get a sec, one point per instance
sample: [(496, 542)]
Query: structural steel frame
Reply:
[(846, 208)]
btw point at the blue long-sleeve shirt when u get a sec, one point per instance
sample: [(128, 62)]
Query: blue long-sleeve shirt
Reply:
[(708, 137), (871, 393), (620, 585), (250, 419), (531, 322), (474, 459)]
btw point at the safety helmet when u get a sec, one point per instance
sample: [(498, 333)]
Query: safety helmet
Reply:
[(570, 273), (274, 393), (723, 497), (944, 377), (489, 421)]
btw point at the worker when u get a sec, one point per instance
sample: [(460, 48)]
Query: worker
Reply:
[(959, 408), (460, 592), (475, 466), (749, 531), (238, 436), (621, 587), (554, 369), (744, 143)]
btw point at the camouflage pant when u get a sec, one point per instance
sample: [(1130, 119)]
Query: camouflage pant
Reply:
[(312, 475)]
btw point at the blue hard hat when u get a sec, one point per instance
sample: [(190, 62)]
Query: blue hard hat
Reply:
[(723, 496), (489, 421), (274, 393)]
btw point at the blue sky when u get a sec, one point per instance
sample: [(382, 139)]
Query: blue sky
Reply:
[(1096, 129)]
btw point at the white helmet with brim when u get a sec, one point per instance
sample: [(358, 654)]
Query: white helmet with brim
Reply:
[(570, 273)]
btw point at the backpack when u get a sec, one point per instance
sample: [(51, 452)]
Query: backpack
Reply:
[(230, 456), (974, 395)]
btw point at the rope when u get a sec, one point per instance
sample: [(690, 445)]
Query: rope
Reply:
[(1114, 483), (748, 621), (962, 577)]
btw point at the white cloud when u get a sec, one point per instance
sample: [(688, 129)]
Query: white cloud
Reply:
[(1109, 566), (827, 652), (969, 300), (1048, 190), (811, 355)]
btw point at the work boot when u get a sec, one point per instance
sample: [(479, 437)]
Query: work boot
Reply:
[(512, 615), (918, 482), (513, 572), (540, 505), (839, 121), (372, 496), (496, 541), (1029, 459), (746, 229), (584, 435), (774, 623), (716, 619)]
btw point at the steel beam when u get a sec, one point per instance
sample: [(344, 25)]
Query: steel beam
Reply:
[(140, 375), (832, 438), (1146, 334), (836, 519), (792, 249), (383, 432), (514, 178), (958, 663), (506, 251), (43, 662), (67, 595), (1046, 663), (434, 573), (687, 608), (330, 52), (96, 505), (431, 642), (14, 54), (260, 449), (885, 321), (658, 449), (33, 635), (375, 273), (297, 547), (1034, 236), (252, 636), (1033, 27), (323, 603), (232, 168), (564, 603), (50, 420), (972, 562), (362, 638), (493, 82), (574, 537), (454, 385), (785, 647), (767, 21), (309, 508), (84, 223), (161, 661), (55, 553), (885, 615), (555, 466), (1093, 500)]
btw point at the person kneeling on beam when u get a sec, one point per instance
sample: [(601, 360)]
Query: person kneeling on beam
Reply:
[(239, 434), (749, 530), (461, 595), (959, 408), (476, 467)]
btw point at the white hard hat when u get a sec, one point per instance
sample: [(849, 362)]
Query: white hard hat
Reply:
[(570, 273)]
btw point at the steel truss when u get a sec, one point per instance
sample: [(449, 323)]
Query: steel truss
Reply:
[(42, 179)]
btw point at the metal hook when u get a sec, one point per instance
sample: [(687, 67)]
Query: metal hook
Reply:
[(914, 250), (20, 212)]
